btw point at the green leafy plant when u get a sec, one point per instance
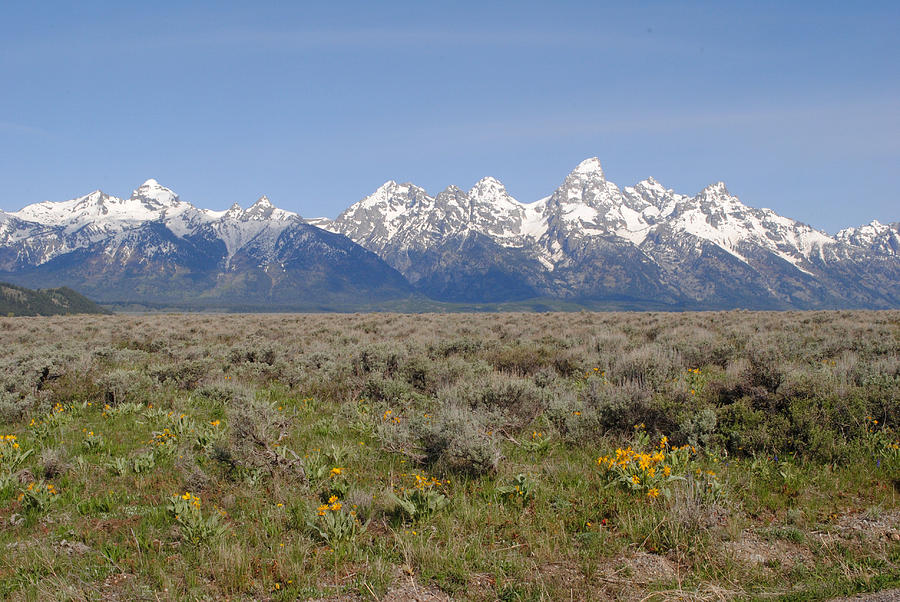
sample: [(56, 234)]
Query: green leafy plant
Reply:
[(521, 489), (333, 523), (421, 499), (37, 496), (207, 434), (92, 441), (118, 466), (195, 527), (12, 454), (539, 443), (144, 462)]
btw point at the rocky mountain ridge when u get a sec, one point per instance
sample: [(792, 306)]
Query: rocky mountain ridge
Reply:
[(154, 248), (592, 240), (587, 242)]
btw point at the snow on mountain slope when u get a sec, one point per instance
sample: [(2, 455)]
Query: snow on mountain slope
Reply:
[(397, 218), (586, 205), (493, 211), (105, 213), (587, 237), (381, 216), (874, 236), (238, 227), (719, 217), (404, 216), (49, 229)]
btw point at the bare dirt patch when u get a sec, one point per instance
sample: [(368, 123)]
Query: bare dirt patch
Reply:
[(750, 549), (870, 525)]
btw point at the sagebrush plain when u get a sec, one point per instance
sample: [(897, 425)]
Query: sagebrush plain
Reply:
[(472, 456)]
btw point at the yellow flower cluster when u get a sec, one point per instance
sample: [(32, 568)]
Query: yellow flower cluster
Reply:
[(645, 471), (596, 371), (8, 440), (424, 482), (625, 458), (162, 437), (50, 488), (388, 416), (52, 416), (191, 498), (36, 488), (333, 505), (336, 471), (420, 482)]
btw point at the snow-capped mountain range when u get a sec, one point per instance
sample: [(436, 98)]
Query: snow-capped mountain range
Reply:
[(155, 249), (589, 241), (99, 217), (590, 238)]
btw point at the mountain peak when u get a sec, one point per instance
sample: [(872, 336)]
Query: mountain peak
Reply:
[(261, 209), (650, 183), (381, 194), (452, 189), (152, 191), (715, 189), (488, 188), (489, 181), (589, 166)]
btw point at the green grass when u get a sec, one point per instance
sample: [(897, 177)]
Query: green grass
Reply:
[(256, 441)]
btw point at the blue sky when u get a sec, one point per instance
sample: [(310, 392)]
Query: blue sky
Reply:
[(795, 105)]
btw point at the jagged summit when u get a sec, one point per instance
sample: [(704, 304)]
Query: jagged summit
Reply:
[(715, 189), (589, 166), (650, 183), (452, 191), (489, 190), (153, 192), (263, 209), (875, 237)]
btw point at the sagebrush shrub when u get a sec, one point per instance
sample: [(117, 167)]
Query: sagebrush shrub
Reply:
[(457, 440)]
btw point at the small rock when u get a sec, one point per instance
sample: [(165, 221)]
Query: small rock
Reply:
[(16, 519), (72, 547)]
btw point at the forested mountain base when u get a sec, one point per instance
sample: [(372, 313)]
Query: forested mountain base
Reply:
[(19, 301), (473, 456)]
